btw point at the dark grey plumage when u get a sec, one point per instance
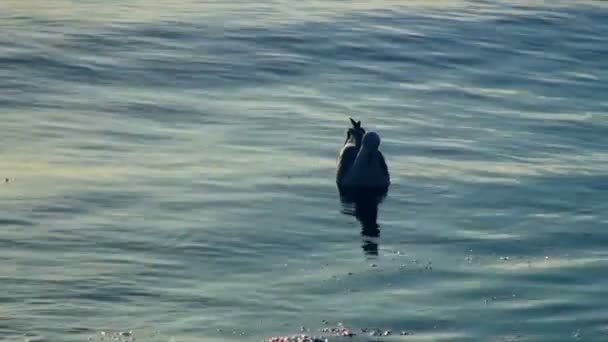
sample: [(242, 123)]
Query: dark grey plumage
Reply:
[(360, 163)]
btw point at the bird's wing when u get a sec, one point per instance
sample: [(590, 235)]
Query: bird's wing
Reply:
[(383, 166), (348, 154)]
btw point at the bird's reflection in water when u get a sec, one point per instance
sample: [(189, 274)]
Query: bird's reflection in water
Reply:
[(363, 204)]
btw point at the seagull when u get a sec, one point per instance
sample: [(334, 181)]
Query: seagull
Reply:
[(348, 153), (360, 162)]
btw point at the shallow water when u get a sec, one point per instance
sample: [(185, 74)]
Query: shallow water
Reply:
[(171, 169)]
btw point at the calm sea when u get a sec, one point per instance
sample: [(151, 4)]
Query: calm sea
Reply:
[(167, 169)]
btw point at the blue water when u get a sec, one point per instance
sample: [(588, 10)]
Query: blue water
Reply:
[(170, 169)]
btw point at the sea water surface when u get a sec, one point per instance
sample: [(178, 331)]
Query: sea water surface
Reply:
[(168, 167)]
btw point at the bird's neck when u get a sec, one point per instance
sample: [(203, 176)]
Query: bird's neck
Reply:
[(353, 141)]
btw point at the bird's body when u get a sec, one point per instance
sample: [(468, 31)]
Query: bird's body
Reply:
[(346, 160), (361, 164), (363, 179), (348, 153)]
